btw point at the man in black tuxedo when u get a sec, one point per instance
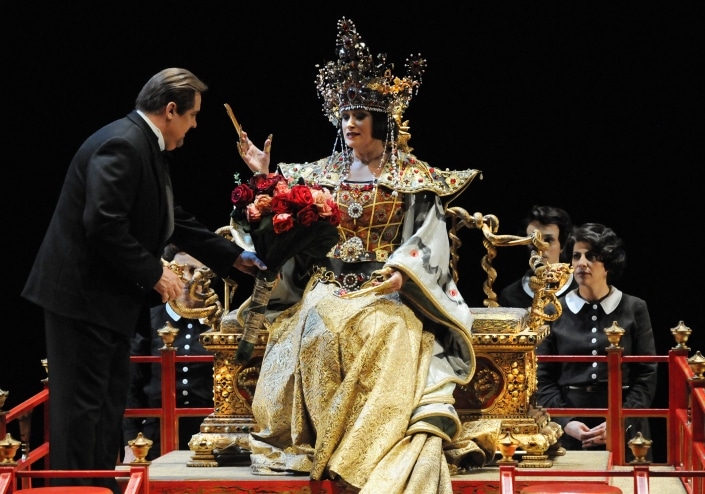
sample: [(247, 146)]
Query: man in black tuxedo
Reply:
[(98, 269)]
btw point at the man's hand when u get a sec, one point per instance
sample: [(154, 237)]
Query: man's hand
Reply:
[(169, 286), (249, 263)]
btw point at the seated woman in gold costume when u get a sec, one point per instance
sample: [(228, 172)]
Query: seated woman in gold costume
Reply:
[(357, 379)]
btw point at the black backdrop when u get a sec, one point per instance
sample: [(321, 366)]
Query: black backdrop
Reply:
[(596, 107)]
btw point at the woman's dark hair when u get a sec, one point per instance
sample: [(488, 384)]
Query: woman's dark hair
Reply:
[(605, 244), (379, 126)]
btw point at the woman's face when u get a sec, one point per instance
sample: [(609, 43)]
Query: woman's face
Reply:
[(588, 270), (357, 128)]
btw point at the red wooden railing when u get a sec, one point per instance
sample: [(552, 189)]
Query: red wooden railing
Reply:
[(614, 413), (685, 419), (169, 413)]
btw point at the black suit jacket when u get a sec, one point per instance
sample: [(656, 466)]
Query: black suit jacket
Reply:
[(101, 253)]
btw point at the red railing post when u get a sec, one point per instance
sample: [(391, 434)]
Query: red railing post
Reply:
[(5, 481), (641, 479), (697, 445), (168, 423), (47, 404), (678, 398), (506, 479), (615, 425), (138, 483)]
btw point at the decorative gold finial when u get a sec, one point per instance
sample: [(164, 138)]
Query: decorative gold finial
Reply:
[(681, 333), (168, 335), (508, 445), (45, 365), (614, 334), (8, 450), (140, 447), (697, 365), (3, 397), (640, 447)]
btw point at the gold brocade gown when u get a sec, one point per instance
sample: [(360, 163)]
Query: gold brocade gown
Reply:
[(360, 389)]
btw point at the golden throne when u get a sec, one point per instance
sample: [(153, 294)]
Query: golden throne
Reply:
[(504, 339)]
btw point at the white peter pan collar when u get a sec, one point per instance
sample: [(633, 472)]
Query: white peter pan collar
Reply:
[(574, 302)]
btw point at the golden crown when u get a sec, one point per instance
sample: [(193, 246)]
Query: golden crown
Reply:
[(357, 81)]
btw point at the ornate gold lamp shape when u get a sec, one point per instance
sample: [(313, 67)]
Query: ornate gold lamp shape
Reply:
[(3, 397), (45, 364), (640, 447), (614, 334), (697, 365), (681, 333), (8, 450), (508, 445), (168, 335), (140, 447)]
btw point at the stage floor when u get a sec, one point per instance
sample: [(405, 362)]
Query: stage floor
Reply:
[(170, 474)]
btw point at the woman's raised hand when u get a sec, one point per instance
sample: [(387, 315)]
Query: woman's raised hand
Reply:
[(257, 160)]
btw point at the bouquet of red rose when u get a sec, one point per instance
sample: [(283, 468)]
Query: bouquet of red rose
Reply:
[(284, 220)]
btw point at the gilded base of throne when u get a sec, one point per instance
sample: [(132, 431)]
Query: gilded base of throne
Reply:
[(505, 382), (219, 433), (231, 422)]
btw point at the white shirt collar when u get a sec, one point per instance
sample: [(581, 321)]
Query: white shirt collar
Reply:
[(609, 303), (160, 137), (172, 313)]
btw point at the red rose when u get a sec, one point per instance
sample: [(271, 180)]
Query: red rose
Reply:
[(282, 187), (265, 184), (282, 222), (307, 215), (242, 195), (281, 204), (263, 203), (253, 214), (301, 196)]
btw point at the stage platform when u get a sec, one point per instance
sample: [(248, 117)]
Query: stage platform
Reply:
[(170, 474)]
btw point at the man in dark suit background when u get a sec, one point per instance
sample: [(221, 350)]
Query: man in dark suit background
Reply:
[(99, 269), (555, 225)]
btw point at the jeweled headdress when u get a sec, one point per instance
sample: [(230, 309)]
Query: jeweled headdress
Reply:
[(357, 81)]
